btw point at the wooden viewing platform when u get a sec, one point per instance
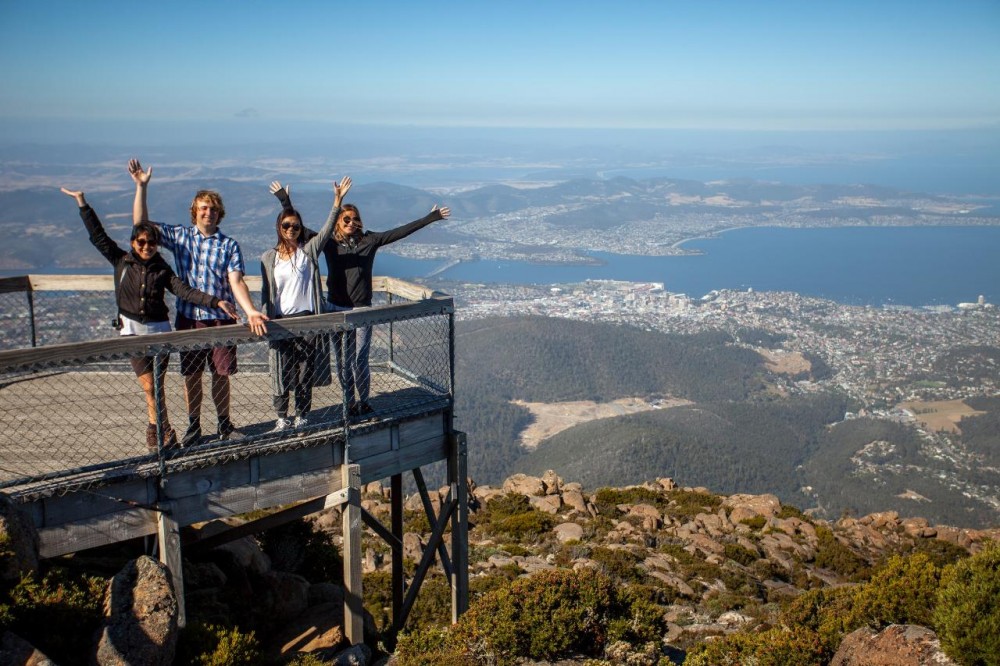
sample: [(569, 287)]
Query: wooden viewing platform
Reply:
[(72, 448)]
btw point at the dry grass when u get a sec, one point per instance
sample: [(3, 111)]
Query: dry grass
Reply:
[(940, 414), (551, 418)]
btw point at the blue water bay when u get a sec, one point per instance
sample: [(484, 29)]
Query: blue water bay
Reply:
[(857, 265)]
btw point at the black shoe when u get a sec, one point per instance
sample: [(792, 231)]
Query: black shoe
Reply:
[(365, 409), (353, 410), (228, 431), (192, 437)]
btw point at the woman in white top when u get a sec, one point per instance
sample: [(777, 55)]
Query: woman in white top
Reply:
[(292, 287)]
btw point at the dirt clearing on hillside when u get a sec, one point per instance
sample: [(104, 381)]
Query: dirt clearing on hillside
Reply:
[(784, 362), (554, 417), (940, 414)]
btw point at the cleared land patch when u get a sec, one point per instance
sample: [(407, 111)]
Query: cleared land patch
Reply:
[(784, 362), (554, 417), (940, 414)]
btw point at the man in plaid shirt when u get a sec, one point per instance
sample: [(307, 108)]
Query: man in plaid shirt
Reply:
[(208, 260)]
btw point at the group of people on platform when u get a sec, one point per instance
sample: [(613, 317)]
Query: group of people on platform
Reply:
[(209, 279)]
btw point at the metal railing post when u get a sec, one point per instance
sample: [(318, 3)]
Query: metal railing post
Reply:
[(160, 403), (31, 316)]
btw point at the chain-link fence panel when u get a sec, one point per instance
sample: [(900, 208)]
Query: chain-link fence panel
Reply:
[(77, 415)]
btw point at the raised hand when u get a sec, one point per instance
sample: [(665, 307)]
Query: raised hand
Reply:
[(340, 189), (444, 210), (76, 194), (277, 187), (138, 175)]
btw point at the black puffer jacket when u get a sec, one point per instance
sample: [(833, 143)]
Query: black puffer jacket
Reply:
[(141, 285)]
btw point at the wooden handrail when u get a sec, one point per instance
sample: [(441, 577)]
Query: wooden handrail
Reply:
[(49, 282)]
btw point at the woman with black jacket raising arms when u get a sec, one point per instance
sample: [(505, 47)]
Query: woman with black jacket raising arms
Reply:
[(350, 255), (141, 278)]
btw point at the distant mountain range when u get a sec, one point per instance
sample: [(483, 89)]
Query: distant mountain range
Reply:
[(43, 232)]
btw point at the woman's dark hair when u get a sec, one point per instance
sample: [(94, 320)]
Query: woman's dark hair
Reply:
[(148, 228), (282, 216)]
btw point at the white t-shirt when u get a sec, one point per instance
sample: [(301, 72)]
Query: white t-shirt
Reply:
[(133, 327), (293, 282)]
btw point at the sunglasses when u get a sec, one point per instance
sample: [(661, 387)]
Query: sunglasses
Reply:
[(351, 220), (142, 242), (290, 225)]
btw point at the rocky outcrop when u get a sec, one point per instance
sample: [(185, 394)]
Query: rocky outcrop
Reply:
[(140, 617), (18, 542), (896, 645), (16, 650)]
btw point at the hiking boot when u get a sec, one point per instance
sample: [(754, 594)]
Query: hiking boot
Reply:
[(192, 437), (151, 437), (170, 438)]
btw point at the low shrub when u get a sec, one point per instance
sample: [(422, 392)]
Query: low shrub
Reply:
[(545, 616), (832, 554), (214, 645), (33, 608), (755, 523), (967, 616), (740, 554), (901, 592), (774, 647), (619, 564)]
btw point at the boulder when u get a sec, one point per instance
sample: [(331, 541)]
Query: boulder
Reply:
[(320, 627), (553, 484), (483, 494), (284, 595), (523, 484), (666, 483), (247, 553), (413, 547), (743, 507), (575, 500), (140, 617), (896, 645), (16, 650), (357, 655), (321, 593), (568, 532), (546, 504), (22, 542)]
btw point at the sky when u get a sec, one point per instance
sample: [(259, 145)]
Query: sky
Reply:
[(706, 65)]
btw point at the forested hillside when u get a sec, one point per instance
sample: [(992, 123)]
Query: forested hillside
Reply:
[(737, 437), (542, 359), (740, 447)]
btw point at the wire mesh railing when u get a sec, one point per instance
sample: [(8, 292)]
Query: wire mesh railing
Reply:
[(82, 413)]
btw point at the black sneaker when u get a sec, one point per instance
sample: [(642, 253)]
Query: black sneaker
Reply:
[(364, 409), (192, 437), (228, 431)]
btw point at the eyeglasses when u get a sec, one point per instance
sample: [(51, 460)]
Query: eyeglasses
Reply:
[(290, 225), (351, 220), (142, 242)]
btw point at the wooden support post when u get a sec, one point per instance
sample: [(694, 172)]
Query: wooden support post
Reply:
[(169, 536), (353, 600), (418, 476), (458, 477)]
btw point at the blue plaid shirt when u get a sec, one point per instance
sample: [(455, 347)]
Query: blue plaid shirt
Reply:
[(204, 262)]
